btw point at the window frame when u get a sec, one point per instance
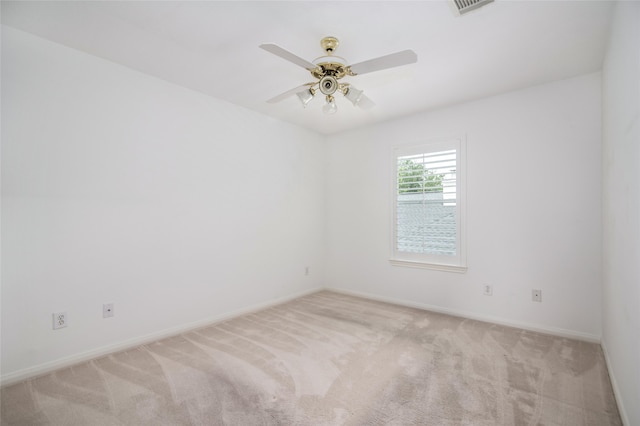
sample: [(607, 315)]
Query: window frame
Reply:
[(449, 263)]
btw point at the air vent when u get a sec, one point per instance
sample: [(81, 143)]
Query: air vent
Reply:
[(464, 6)]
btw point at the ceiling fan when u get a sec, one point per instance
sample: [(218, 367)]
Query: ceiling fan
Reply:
[(328, 70)]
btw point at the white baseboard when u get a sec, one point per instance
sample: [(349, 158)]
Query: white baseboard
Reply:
[(614, 385), (48, 367), (570, 334)]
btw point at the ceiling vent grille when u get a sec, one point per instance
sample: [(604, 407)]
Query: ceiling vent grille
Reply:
[(464, 6)]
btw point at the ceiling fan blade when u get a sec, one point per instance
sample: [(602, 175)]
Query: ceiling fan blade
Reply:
[(383, 62), (365, 102), (285, 54), (288, 93)]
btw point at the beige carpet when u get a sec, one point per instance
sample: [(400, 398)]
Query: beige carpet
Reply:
[(330, 359)]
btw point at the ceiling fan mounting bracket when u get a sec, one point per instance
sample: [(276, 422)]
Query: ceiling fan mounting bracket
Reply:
[(329, 44)]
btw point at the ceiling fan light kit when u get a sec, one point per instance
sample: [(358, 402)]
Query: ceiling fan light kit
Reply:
[(329, 69)]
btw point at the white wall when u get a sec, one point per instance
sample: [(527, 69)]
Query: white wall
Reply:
[(533, 209), (119, 187), (621, 208)]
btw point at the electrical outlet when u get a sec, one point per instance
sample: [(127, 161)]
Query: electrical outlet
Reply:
[(487, 290), (536, 295), (59, 320), (306, 270), (107, 310)]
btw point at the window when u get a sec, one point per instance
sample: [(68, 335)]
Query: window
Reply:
[(428, 212)]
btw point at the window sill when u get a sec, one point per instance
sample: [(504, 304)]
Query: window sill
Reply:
[(425, 265)]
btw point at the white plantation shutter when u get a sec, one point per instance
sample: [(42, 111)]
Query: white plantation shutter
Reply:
[(428, 218), (426, 203)]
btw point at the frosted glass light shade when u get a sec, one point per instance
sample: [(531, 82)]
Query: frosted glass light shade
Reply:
[(305, 97), (330, 107), (354, 95)]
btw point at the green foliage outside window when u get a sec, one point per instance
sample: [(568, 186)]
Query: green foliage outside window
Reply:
[(414, 178)]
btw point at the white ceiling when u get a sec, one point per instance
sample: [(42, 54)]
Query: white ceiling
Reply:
[(212, 47)]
